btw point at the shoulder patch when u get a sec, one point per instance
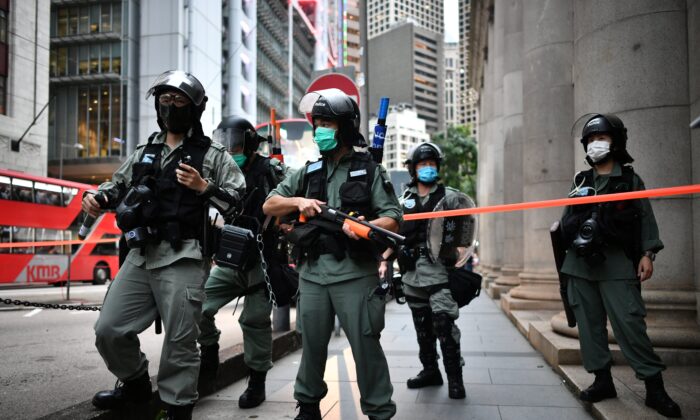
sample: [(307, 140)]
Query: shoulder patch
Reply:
[(313, 167), (409, 203)]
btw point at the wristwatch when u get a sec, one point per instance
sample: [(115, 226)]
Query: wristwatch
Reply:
[(650, 254)]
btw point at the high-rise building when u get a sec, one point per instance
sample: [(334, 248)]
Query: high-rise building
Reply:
[(406, 63), (404, 128), (383, 15), (452, 84), (104, 57), (468, 110), (24, 85), (272, 55), (239, 58)]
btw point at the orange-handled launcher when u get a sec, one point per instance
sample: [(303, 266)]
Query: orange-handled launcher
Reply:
[(361, 228)]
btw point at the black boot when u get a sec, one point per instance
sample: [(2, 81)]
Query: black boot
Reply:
[(135, 391), (308, 411), (209, 366), (601, 389), (430, 375), (180, 412), (254, 395), (658, 399), (451, 355)]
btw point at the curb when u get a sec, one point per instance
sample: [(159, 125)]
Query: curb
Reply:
[(231, 369)]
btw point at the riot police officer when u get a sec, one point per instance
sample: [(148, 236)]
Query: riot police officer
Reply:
[(611, 249), (262, 174), (425, 280), (338, 271), (162, 193)]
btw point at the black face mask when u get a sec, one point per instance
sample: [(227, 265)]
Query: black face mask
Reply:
[(177, 119)]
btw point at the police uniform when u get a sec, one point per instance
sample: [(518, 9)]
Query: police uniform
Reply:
[(612, 288), (164, 272), (427, 292), (338, 276), (225, 284), (161, 281)]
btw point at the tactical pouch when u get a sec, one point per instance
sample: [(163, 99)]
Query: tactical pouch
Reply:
[(304, 235), (406, 260), (284, 282), (236, 247), (465, 285), (353, 194)]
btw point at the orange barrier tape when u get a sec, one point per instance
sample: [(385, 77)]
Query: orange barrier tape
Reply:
[(56, 243), (657, 192)]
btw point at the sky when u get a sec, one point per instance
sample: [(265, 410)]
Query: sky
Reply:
[(451, 21)]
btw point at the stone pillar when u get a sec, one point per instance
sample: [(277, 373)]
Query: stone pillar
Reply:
[(511, 125), (694, 79), (634, 63), (491, 242), (547, 150)]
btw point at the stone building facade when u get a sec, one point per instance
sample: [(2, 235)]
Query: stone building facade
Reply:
[(538, 66)]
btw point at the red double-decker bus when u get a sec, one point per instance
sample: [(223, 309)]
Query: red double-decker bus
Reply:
[(47, 212)]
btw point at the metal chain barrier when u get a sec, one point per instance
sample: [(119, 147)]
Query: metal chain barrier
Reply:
[(50, 305), (263, 265)]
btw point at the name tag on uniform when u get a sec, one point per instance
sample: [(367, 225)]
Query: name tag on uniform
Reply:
[(359, 172), (314, 167)]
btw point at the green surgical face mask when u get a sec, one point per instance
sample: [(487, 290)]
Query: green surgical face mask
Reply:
[(325, 138), (240, 159)]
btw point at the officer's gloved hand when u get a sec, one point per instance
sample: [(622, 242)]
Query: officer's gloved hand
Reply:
[(462, 257)]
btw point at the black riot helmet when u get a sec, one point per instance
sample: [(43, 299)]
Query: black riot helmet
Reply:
[(607, 124), (421, 152), (334, 105), (236, 132), (183, 82)]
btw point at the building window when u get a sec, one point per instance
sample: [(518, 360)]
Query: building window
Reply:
[(4, 56)]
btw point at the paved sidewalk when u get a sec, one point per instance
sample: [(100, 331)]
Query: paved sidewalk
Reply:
[(505, 377)]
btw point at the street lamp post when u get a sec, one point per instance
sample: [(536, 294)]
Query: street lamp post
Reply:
[(76, 146)]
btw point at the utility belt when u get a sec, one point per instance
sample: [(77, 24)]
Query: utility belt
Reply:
[(319, 237), (409, 256), (172, 232)]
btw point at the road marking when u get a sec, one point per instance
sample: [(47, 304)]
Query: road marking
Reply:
[(34, 312)]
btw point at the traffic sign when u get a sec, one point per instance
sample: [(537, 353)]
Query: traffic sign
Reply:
[(334, 80)]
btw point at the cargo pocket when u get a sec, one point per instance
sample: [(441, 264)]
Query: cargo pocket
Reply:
[(373, 313), (190, 315), (635, 303), (298, 312), (572, 293)]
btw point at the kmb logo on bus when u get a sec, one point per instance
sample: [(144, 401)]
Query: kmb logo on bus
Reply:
[(43, 272)]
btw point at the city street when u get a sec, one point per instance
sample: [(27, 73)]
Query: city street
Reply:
[(49, 361)]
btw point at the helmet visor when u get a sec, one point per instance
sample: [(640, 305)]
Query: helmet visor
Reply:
[(182, 81), (337, 101), (234, 139)]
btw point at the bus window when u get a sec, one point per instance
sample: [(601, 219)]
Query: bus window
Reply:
[(47, 194), (68, 195), (21, 234), (48, 235), (5, 188), (5, 238), (67, 236), (22, 190), (107, 248)]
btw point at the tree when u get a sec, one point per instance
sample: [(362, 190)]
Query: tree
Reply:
[(459, 164)]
